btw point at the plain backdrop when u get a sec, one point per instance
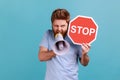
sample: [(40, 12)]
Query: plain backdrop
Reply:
[(23, 23)]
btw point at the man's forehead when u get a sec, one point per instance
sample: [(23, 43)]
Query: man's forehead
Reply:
[(59, 22)]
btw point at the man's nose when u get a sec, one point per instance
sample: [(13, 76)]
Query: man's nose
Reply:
[(59, 29)]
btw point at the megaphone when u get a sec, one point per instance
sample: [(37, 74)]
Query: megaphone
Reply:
[(61, 46)]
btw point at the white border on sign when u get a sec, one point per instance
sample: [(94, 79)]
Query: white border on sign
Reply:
[(83, 17)]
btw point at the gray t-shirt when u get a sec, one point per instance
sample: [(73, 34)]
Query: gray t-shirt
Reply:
[(61, 67)]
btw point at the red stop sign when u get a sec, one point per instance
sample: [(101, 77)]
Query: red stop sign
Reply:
[(82, 29)]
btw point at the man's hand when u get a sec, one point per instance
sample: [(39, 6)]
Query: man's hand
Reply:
[(44, 54), (85, 58), (85, 48)]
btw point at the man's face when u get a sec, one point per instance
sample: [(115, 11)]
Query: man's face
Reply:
[(60, 26)]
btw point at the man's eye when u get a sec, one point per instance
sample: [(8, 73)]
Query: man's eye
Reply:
[(55, 25), (63, 26)]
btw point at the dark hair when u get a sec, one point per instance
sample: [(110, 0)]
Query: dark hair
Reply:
[(60, 14)]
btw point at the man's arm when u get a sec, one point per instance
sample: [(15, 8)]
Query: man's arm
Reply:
[(44, 54), (85, 58)]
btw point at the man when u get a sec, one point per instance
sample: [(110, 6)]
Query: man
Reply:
[(62, 67)]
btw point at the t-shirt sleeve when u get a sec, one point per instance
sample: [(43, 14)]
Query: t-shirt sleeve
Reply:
[(79, 51), (44, 41)]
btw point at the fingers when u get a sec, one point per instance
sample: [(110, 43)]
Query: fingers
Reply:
[(86, 45)]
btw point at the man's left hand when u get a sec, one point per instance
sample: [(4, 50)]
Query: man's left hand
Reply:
[(85, 48)]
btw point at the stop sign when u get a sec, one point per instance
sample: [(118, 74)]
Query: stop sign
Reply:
[(82, 29)]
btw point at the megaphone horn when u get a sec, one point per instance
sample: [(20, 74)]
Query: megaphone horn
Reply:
[(61, 46)]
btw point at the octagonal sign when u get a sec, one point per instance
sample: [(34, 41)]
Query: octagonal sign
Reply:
[(82, 29)]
